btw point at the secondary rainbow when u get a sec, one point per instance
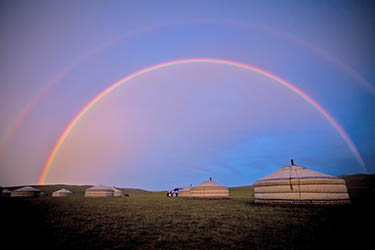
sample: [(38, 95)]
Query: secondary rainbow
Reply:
[(13, 126), (112, 87)]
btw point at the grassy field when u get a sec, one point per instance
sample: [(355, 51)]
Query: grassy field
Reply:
[(149, 220)]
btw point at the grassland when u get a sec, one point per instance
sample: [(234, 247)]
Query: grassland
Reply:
[(149, 220)]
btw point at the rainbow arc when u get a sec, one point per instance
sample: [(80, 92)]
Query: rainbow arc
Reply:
[(229, 63)]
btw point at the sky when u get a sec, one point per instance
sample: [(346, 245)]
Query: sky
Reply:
[(186, 122)]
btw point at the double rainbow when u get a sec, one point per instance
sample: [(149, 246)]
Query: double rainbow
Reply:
[(19, 119), (115, 85)]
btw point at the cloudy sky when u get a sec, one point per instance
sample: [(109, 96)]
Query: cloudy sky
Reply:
[(183, 123)]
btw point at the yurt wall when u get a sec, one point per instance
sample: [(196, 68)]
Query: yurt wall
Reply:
[(185, 192)]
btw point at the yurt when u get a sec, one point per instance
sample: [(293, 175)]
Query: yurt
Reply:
[(297, 184), (26, 192), (62, 193), (6, 193), (185, 192), (209, 190), (117, 193), (99, 191)]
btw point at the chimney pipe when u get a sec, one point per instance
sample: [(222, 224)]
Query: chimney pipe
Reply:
[(292, 162)]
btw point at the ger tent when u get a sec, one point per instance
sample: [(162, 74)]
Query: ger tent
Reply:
[(26, 192), (6, 193), (297, 184), (99, 191), (209, 189), (185, 192), (62, 193), (117, 192)]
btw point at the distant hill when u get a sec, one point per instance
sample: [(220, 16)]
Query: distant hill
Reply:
[(134, 191), (361, 187)]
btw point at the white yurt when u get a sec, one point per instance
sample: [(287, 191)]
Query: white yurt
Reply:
[(209, 190), (117, 192), (297, 184), (62, 193), (6, 193), (26, 192), (185, 192), (99, 191)]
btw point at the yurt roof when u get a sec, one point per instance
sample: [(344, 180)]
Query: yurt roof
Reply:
[(63, 190), (209, 183), (6, 191), (28, 189), (116, 190), (100, 187), (295, 172)]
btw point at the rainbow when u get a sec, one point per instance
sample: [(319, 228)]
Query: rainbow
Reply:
[(115, 85), (317, 50), (13, 126)]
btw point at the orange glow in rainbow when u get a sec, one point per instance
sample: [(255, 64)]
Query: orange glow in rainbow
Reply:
[(112, 87)]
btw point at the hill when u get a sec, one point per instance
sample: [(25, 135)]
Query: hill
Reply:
[(134, 191), (361, 187)]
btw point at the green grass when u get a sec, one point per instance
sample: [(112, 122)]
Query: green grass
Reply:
[(149, 220), (242, 192)]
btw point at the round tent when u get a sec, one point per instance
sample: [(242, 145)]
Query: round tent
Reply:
[(99, 191), (62, 193), (117, 193), (209, 189), (26, 192), (185, 192), (6, 193), (297, 184)]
